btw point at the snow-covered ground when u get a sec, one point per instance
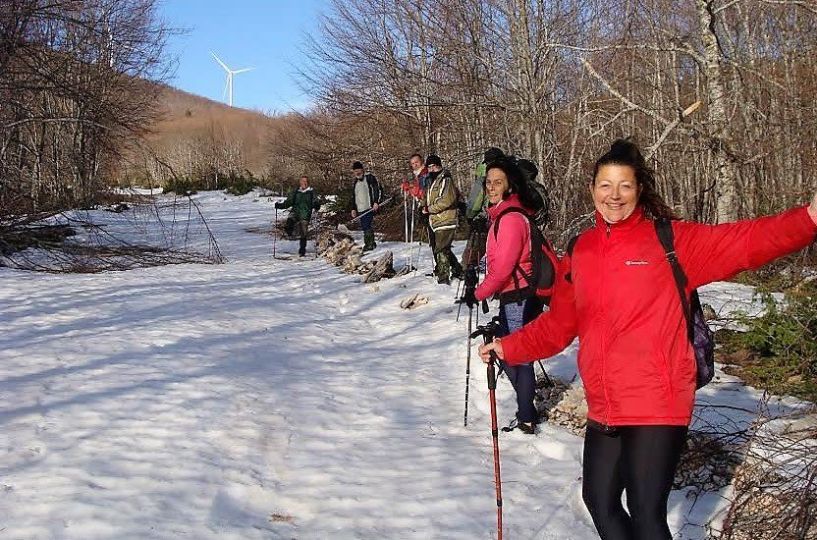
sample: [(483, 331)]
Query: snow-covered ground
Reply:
[(264, 398)]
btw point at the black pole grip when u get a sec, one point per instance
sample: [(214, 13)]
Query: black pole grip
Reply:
[(492, 373)]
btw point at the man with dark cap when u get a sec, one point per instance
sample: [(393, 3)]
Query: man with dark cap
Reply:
[(441, 206), (475, 211), (366, 199)]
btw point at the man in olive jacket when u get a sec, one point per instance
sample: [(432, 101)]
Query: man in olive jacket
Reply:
[(302, 201), (442, 199)]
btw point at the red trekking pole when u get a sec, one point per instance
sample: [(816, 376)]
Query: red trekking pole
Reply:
[(487, 332)]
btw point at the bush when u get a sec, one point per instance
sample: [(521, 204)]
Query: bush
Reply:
[(782, 343), (240, 185), (181, 186)]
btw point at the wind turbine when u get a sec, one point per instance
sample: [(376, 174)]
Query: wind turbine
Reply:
[(228, 89)]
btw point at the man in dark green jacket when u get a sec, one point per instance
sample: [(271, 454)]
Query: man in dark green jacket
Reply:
[(302, 201)]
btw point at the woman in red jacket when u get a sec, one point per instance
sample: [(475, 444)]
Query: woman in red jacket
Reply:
[(616, 292), (508, 252)]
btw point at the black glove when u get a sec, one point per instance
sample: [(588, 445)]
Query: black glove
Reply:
[(469, 298), (471, 278), (277, 206), (479, 224)]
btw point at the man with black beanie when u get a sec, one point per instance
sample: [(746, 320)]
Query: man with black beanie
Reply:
[(441, 206)]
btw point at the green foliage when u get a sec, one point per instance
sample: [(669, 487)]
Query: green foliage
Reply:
[(181, 186), (783, 343), (233, 183), (340, 206), (240, 185)]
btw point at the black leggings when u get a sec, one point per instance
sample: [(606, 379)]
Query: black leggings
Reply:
[(640, 460)]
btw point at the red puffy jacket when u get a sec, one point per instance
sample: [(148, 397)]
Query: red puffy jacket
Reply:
[(617, 294), (510, 247)]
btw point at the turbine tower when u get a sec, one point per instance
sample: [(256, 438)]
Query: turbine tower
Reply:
[(228, 89)]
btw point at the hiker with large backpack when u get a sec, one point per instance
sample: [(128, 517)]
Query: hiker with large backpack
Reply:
[(617, 290), (475, 211), (521, 267), (303, 200)]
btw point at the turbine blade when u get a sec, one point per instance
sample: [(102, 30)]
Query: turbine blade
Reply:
[(243, 70), (219, 61)]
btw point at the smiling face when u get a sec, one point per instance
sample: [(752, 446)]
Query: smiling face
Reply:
[(496, 184), (615, 192), (416, 164), (303, 182)]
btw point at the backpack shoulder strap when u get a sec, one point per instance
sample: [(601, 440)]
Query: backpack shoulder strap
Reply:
[(572, 244), (502, 214), (663, 227)]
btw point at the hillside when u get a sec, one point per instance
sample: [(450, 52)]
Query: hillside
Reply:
[(195, 135)]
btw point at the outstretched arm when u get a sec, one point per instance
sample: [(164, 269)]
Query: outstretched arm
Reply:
[(716, 252), (290, 200)]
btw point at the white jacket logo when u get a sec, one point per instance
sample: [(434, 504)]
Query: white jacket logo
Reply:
[(636, 263)]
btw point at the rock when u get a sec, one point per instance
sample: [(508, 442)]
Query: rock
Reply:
[(413, 301), (384, 268)]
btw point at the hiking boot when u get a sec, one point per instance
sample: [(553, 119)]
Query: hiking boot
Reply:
[(368, 241), (442, 269), (456, 268), (528, 428), (443, 280)]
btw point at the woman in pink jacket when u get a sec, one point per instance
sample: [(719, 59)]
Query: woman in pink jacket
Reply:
[(615, 291), (509, 265)]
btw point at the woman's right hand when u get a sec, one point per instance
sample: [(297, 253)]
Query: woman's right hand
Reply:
[(812, 210), (496, 347)]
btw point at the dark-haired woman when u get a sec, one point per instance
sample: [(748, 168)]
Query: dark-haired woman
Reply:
[(615, 291), (509, 266)]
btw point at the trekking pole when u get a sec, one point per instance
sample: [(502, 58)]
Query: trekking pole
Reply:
[(488, 332), (471, 280), (411, 232), (468, 364), (548, 380), (368, 211), (274, 236)]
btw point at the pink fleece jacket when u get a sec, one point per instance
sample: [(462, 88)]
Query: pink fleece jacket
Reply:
[(509, 247)]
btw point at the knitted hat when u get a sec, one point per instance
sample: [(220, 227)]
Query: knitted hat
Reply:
[(434, 159), (357, 165), (492, 154)]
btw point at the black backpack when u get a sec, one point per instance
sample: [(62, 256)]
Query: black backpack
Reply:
[(543, 263), (542, 207), (700, 335)]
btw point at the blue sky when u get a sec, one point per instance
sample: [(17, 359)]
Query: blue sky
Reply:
[(264, 34)]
